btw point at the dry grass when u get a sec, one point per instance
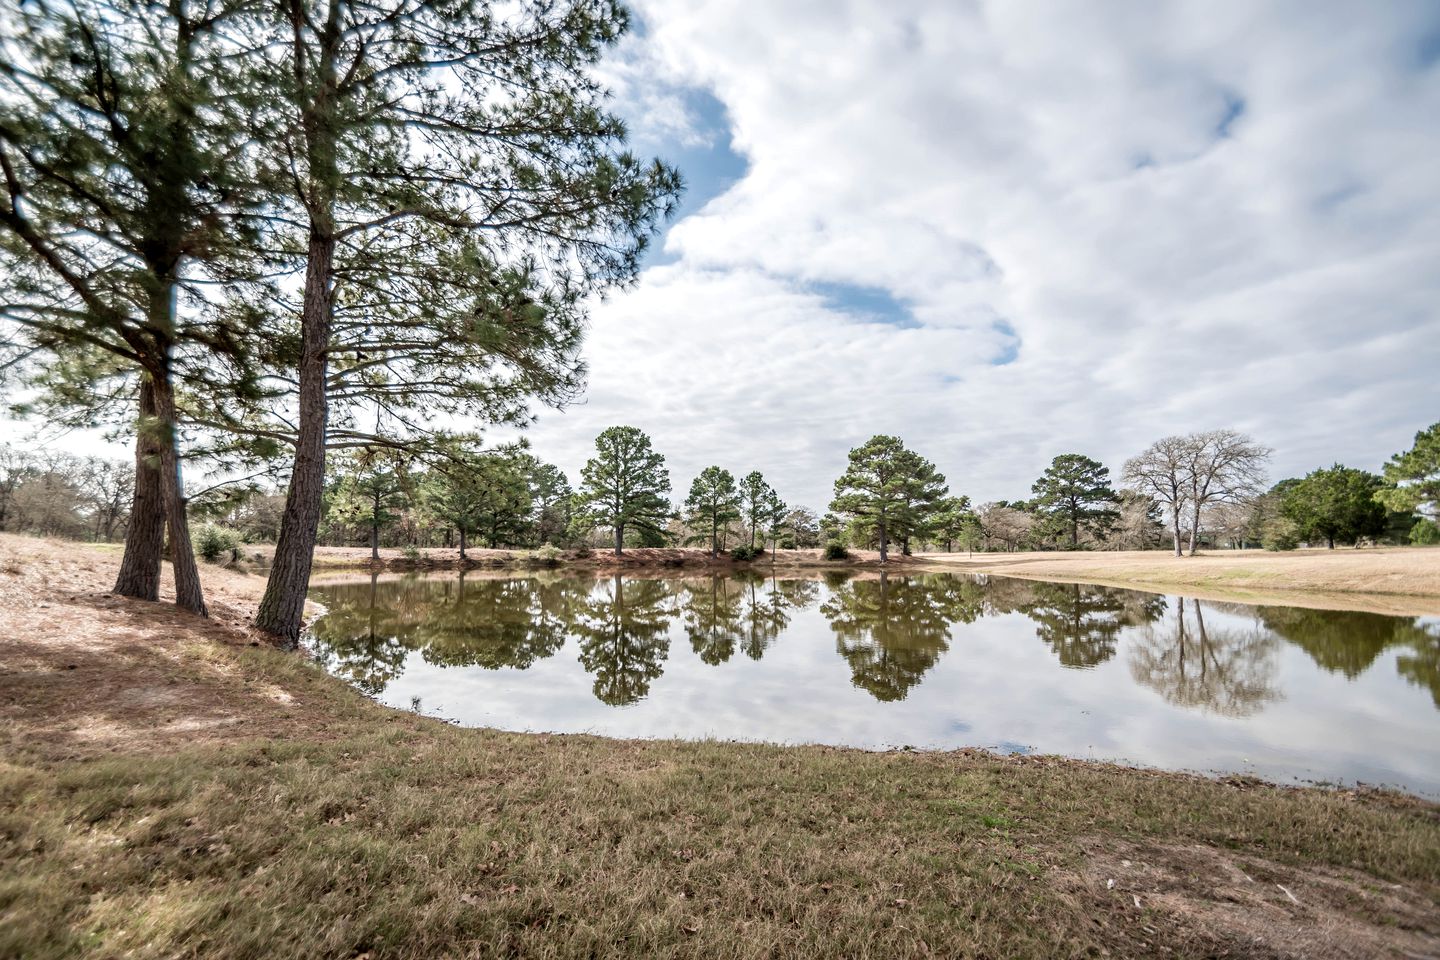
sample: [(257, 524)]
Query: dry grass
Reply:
[(1400, 580), (168, 790)]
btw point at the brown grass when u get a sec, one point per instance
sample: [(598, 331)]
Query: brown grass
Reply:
[(166, 790), (1399, 580)]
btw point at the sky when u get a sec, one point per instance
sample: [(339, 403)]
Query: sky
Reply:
[(1007, 231)]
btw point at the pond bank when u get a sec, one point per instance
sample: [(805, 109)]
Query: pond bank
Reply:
[(1401, 581), (171, 789)]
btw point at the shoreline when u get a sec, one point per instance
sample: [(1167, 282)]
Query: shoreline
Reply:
[(174, 786), (1397, 581)]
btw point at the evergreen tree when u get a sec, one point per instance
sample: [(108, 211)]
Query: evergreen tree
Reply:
[(713, 504), (1335, 504), (756, 496), (953, 518), (1413, 477), (373, 494), (551, 496), (1076, 490), (462, 193), (123, 149), (625, 485), (888, 492)]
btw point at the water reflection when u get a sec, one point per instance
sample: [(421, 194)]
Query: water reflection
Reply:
[(624, 637), (1229, 671), (951, 654)]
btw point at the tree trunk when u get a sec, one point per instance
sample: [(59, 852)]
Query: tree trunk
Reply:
[(375, 535), (1175, 527), (189, 595), (619, 538), (1331, 542), (462, 543), (145, 537), (884, 553), (283, 606), (1194, 528)]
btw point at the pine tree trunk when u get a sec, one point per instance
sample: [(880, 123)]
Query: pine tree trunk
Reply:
[(145, 537), (283, 606), (188, 592), (884, 554), (619, 538), (462, 543)]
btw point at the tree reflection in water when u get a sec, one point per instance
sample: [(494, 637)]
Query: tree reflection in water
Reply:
[(1229, 671), (1349, 641), (489, 622), (711, 609), (1081, 623), (892, 631), (623, 630)]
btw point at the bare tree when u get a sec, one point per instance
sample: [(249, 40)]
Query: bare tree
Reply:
[(1162, 472), (1137, 526), (1224, 467), (1005, 525)]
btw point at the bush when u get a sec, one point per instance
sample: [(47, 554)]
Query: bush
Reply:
[(835, 550), (216, 544), (411, 553), (549, 555), (1425, 533), (745, 553), (582, 550), (1280, 534)]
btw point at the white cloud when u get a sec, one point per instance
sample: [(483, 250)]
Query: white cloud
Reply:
[(1191, 215)]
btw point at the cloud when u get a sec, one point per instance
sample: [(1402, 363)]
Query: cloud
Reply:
[(1006, 232)]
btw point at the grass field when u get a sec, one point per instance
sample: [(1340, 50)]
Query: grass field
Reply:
[(168, 789)]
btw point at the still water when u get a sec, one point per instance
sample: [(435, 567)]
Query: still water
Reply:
[(929, 661)]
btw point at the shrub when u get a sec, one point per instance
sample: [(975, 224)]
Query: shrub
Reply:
[(582, 550), (412, 553), (549, 555), (1425, 533), (746, 553), (835, 550), (1280, 534), (216, 544)]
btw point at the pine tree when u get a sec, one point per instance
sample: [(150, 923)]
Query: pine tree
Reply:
[(625, 485), (713, 504), (888, 491), (463, 192), (1076, 491), (122, 146)]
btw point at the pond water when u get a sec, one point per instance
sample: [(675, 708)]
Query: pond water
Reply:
[(929, 661)]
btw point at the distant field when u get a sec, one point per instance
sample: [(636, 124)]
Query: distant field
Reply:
[(1402, 580)]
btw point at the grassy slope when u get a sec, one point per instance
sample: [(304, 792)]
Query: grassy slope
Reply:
[(166, 790)]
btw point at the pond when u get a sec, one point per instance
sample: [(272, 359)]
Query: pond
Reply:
[(927, 661)]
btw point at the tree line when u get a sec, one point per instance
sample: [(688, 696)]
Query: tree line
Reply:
[(1203, 489), (252, 235)]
